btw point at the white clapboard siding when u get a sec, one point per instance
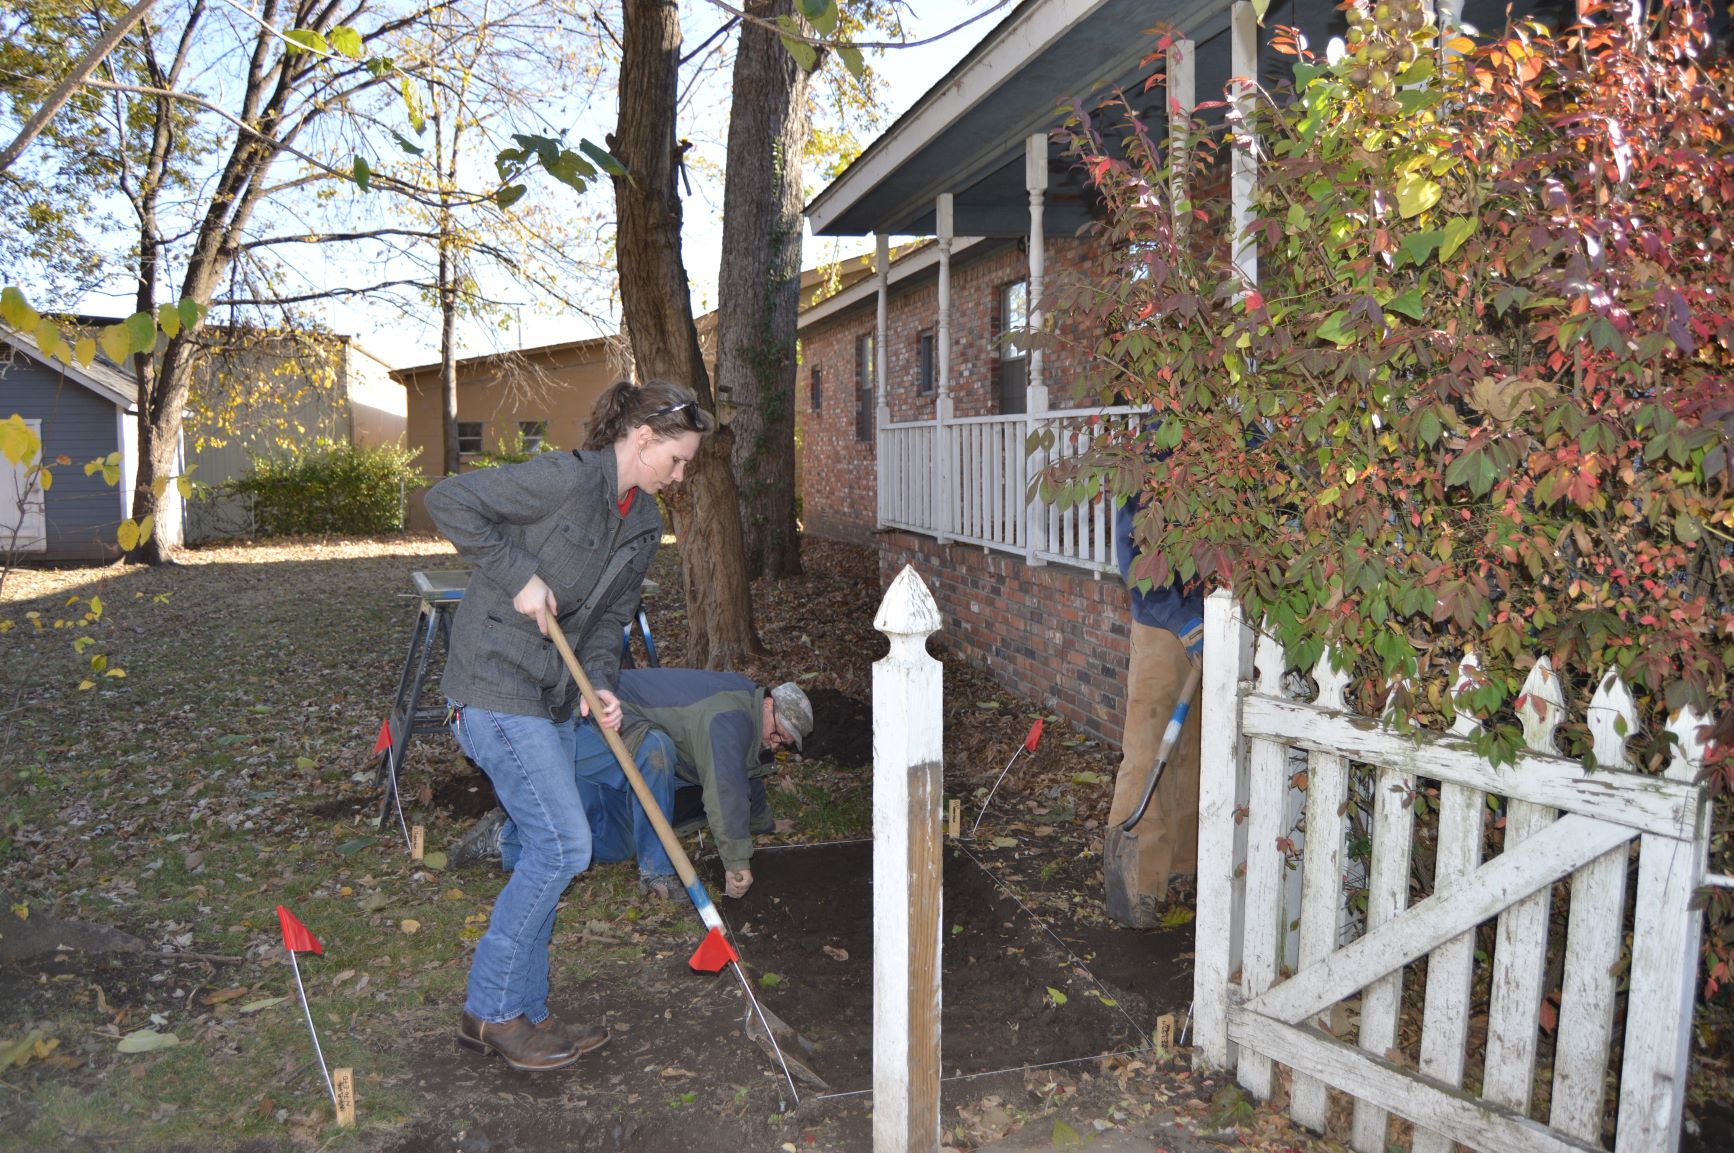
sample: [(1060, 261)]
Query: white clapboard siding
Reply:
[(1451, 967), (1322, 871), (1520, 940), (1664, 967), (1267, 764), (1565, 823), (1592, 944)]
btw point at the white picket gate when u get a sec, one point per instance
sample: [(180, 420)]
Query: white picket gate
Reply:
[(1564, 826)]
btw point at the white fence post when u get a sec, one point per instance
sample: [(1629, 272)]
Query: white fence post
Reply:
[(1520, 941), (908, 724), (1322, 873), (1451, 968), (1665, 940), (1221, 790)]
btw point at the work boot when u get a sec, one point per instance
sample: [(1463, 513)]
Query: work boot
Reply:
[(585, 1038), (481, 843), (519, 1043)]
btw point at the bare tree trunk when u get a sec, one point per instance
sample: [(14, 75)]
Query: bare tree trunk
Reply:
[(447, 288), (655, 296), (448, 355), (760, 279)]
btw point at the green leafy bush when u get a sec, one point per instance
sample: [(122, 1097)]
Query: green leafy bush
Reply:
[(1481, 396), (515, 452), (329, 489)]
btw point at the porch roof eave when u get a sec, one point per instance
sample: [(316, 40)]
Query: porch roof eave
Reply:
[(966, 134)]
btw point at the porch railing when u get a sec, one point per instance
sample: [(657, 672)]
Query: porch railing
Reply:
[(972, 479)]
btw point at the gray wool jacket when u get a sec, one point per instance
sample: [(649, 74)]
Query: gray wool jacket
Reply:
[(554, 516)]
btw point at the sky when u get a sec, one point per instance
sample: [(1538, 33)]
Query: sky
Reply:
[(906, 74)]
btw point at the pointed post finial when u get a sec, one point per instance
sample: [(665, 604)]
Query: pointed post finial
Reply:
[(907, 613)]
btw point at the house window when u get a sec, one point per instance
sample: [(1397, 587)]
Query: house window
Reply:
[(818, 393), (865, 371), (469, 436), (531, 434), (1011, 367), (925, 369)]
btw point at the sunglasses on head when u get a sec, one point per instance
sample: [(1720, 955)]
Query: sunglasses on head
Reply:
[(689, 407)]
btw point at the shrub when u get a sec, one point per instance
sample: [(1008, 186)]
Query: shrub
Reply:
[(329, 489), (1481, 396), (516, 452)]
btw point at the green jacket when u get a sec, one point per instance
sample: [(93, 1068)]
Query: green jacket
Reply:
[(716, 721)]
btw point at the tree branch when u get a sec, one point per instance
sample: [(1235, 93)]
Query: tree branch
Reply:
[(56, 100), (326, 294), (822, 42), (338, 237)]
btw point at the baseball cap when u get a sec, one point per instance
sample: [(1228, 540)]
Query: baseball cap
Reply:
[(794, 711)]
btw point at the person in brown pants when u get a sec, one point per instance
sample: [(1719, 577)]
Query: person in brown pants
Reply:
[(1164, 845), (1162, 848)]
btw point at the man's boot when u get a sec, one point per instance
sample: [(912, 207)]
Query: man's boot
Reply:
[(481, 843)]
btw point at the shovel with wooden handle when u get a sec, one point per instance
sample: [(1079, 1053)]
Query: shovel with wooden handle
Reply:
[(779, 1041), (1120, 852)]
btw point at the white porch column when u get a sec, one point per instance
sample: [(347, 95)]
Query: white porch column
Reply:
[(1036, 392), (882, 399), (1182, 99), (944, 483), (1243, 185)]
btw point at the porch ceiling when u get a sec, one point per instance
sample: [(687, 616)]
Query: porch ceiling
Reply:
[(966, 134)]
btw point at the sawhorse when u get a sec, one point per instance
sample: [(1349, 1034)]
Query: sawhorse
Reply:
[(441, 591)]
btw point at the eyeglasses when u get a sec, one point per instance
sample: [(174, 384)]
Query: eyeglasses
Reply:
[(687, 406)]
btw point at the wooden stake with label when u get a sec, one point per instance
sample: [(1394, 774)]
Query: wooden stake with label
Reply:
[(417, 841), (343, 1089), (1165, 1036), (954, 818)]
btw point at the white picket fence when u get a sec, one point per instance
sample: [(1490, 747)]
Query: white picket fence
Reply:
[(969, 479), (1566, 828)]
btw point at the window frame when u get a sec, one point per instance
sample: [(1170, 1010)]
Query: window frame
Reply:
[(926, 362), (479, 437), (532, 435), (866, 372)]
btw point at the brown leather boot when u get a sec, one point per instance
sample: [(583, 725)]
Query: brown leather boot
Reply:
[(519, 1043), (587, 1038)]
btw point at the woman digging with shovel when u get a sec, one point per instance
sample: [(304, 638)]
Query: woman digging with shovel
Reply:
[(560, 541)]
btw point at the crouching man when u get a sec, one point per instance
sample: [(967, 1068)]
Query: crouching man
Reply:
[(724, 728), (703, 742)]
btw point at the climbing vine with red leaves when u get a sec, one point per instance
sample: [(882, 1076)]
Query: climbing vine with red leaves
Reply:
[(1482, 394)]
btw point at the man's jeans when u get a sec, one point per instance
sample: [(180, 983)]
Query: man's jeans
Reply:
[(529, 760), (619, 828)]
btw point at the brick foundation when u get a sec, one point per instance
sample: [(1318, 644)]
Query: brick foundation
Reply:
[(1052, 634)]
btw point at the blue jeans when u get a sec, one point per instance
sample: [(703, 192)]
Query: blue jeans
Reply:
[(619, 828), (529, 760)]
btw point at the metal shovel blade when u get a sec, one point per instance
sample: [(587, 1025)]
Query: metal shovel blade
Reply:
[(1125, 903), (794, 1048)]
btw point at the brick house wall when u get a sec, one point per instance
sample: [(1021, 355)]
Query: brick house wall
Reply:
[(836, 466), (1052, 633)]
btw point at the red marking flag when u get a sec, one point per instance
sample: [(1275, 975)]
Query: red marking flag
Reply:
[(1034, 737), (383, 742), (713, 953), (296, 938)]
